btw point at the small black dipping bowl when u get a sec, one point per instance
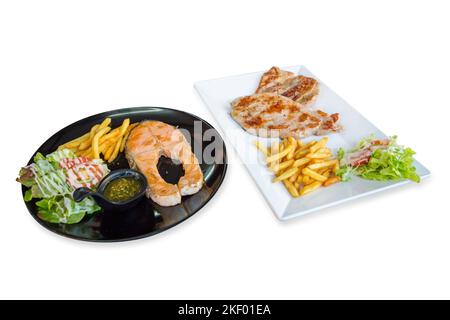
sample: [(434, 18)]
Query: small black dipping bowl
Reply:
[(81, 193)]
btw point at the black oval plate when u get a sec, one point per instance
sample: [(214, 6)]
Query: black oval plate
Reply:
[(147, 218)]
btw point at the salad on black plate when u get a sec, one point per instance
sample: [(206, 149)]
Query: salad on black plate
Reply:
[(54, 177)]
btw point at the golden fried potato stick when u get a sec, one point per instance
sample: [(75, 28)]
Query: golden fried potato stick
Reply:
[(95, 141), (127, 134), (293, 143), (275, 148), (331, 181), (314, 175), (327, 173), (318, 145), (84, 153), (112, 135), (308, 145), (108, 152), (318, 155), (282, 165), (314, 161), (323, 164), (300, 162), (261, 148), (93, 131), (310, 187), (104, 124), (124, 126), (280, 154), (123, 130), (103, 147), (88, 142), (286, 175), (323, 150), (291, 188), (74, 143), (116, 149), (293, 178), (301, 153), (336, 167), (306, 180)]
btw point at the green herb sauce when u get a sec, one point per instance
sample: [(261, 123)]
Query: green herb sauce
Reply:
[(122, 189)]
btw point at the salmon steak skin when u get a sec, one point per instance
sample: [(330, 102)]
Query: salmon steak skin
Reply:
[(150, 140), (271, 115)]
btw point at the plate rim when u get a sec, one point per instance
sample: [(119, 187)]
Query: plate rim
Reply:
[(109, 113)]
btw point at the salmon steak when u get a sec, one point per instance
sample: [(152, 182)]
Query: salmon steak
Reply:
[(145, 145), (273, 115), (301, 89)]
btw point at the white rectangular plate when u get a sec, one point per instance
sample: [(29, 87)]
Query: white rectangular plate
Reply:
[(217, 95)]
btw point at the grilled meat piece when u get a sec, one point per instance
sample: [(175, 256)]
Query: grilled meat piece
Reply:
[(146, 144), (272, 115), (301, 89)]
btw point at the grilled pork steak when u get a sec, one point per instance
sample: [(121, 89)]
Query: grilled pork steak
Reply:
[(272, 115), (301, 89)]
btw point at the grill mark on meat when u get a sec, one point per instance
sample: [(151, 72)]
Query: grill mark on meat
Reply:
[(277, 127), (270, 114), (303, 117), (273, 75), (301, 89), (276, 107), (150, 140), (335, 117), (254, 122)]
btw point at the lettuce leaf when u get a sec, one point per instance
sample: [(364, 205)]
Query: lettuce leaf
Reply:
[(392, 162), (64, 209), (345, 172), (55, 157), (47, 181)]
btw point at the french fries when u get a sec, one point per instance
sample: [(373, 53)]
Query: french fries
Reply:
[(310, 188), (291, 188), (261, 148), (74, 143), (318, 145), (312, 174), (286, 174), (323, 164), (127, 133), (301, 167), (278, 167), (101, 139), (280, 155), (331, 181)]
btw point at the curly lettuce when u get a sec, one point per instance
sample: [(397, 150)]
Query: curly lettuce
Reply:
[(64, 209), (386, 162), (47, 181)]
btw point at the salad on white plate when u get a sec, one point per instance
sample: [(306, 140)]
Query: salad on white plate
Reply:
[(378, 159)]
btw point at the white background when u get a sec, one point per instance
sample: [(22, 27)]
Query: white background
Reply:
[(61, 61)]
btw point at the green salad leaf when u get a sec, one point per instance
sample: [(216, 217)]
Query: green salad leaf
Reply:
[(48, 181), (345, 172), (386, 162), (64, 209)]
